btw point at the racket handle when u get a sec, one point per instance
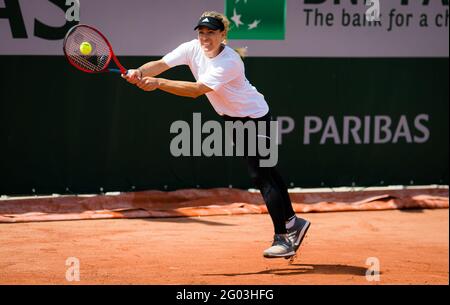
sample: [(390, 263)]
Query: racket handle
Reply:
[(118, 71)]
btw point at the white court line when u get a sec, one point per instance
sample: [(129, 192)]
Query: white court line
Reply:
[(291, 190)]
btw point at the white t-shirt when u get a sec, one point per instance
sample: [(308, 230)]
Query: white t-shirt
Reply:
[(232, 93)]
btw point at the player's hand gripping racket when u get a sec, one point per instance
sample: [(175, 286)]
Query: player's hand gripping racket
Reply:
[(88, 50)]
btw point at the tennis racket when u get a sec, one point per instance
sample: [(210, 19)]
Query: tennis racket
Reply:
[(88, 50)]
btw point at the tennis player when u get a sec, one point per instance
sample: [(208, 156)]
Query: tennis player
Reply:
[(220, 74)]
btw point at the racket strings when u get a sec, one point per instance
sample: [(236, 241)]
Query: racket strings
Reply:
[(97, 59)]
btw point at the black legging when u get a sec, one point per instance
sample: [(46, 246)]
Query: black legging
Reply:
[(269, 182)]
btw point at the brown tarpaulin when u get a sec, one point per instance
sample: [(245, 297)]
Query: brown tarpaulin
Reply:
[(201, 202)]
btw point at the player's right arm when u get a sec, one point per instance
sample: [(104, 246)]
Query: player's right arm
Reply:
[(149, 69), (177, 57)]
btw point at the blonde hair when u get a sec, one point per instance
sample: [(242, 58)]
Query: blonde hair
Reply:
[(219, 16), (241, 51)]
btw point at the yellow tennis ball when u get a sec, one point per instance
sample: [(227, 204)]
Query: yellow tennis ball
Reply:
[(85, 48)]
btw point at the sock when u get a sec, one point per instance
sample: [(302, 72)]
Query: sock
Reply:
[(290, 222)]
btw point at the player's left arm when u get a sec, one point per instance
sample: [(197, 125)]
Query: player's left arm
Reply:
[(181, 88)]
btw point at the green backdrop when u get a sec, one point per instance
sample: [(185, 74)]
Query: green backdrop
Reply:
[(64, 131)]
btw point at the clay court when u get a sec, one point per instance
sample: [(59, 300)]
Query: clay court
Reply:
[(158, 135), (412, 246)]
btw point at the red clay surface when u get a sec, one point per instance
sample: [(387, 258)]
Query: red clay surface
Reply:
[(412, 247)]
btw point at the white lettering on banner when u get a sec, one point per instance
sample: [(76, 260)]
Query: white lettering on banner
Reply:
[(330, 131), (402, 131), (309, 129), (353, 130), (385, 129), (367, 120), (284, 128), (425, 131), (382, 130)]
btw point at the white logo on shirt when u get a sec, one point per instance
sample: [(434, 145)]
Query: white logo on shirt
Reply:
[(205, 20)]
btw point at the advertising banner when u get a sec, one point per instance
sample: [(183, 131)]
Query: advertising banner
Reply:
[(280, 28)]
